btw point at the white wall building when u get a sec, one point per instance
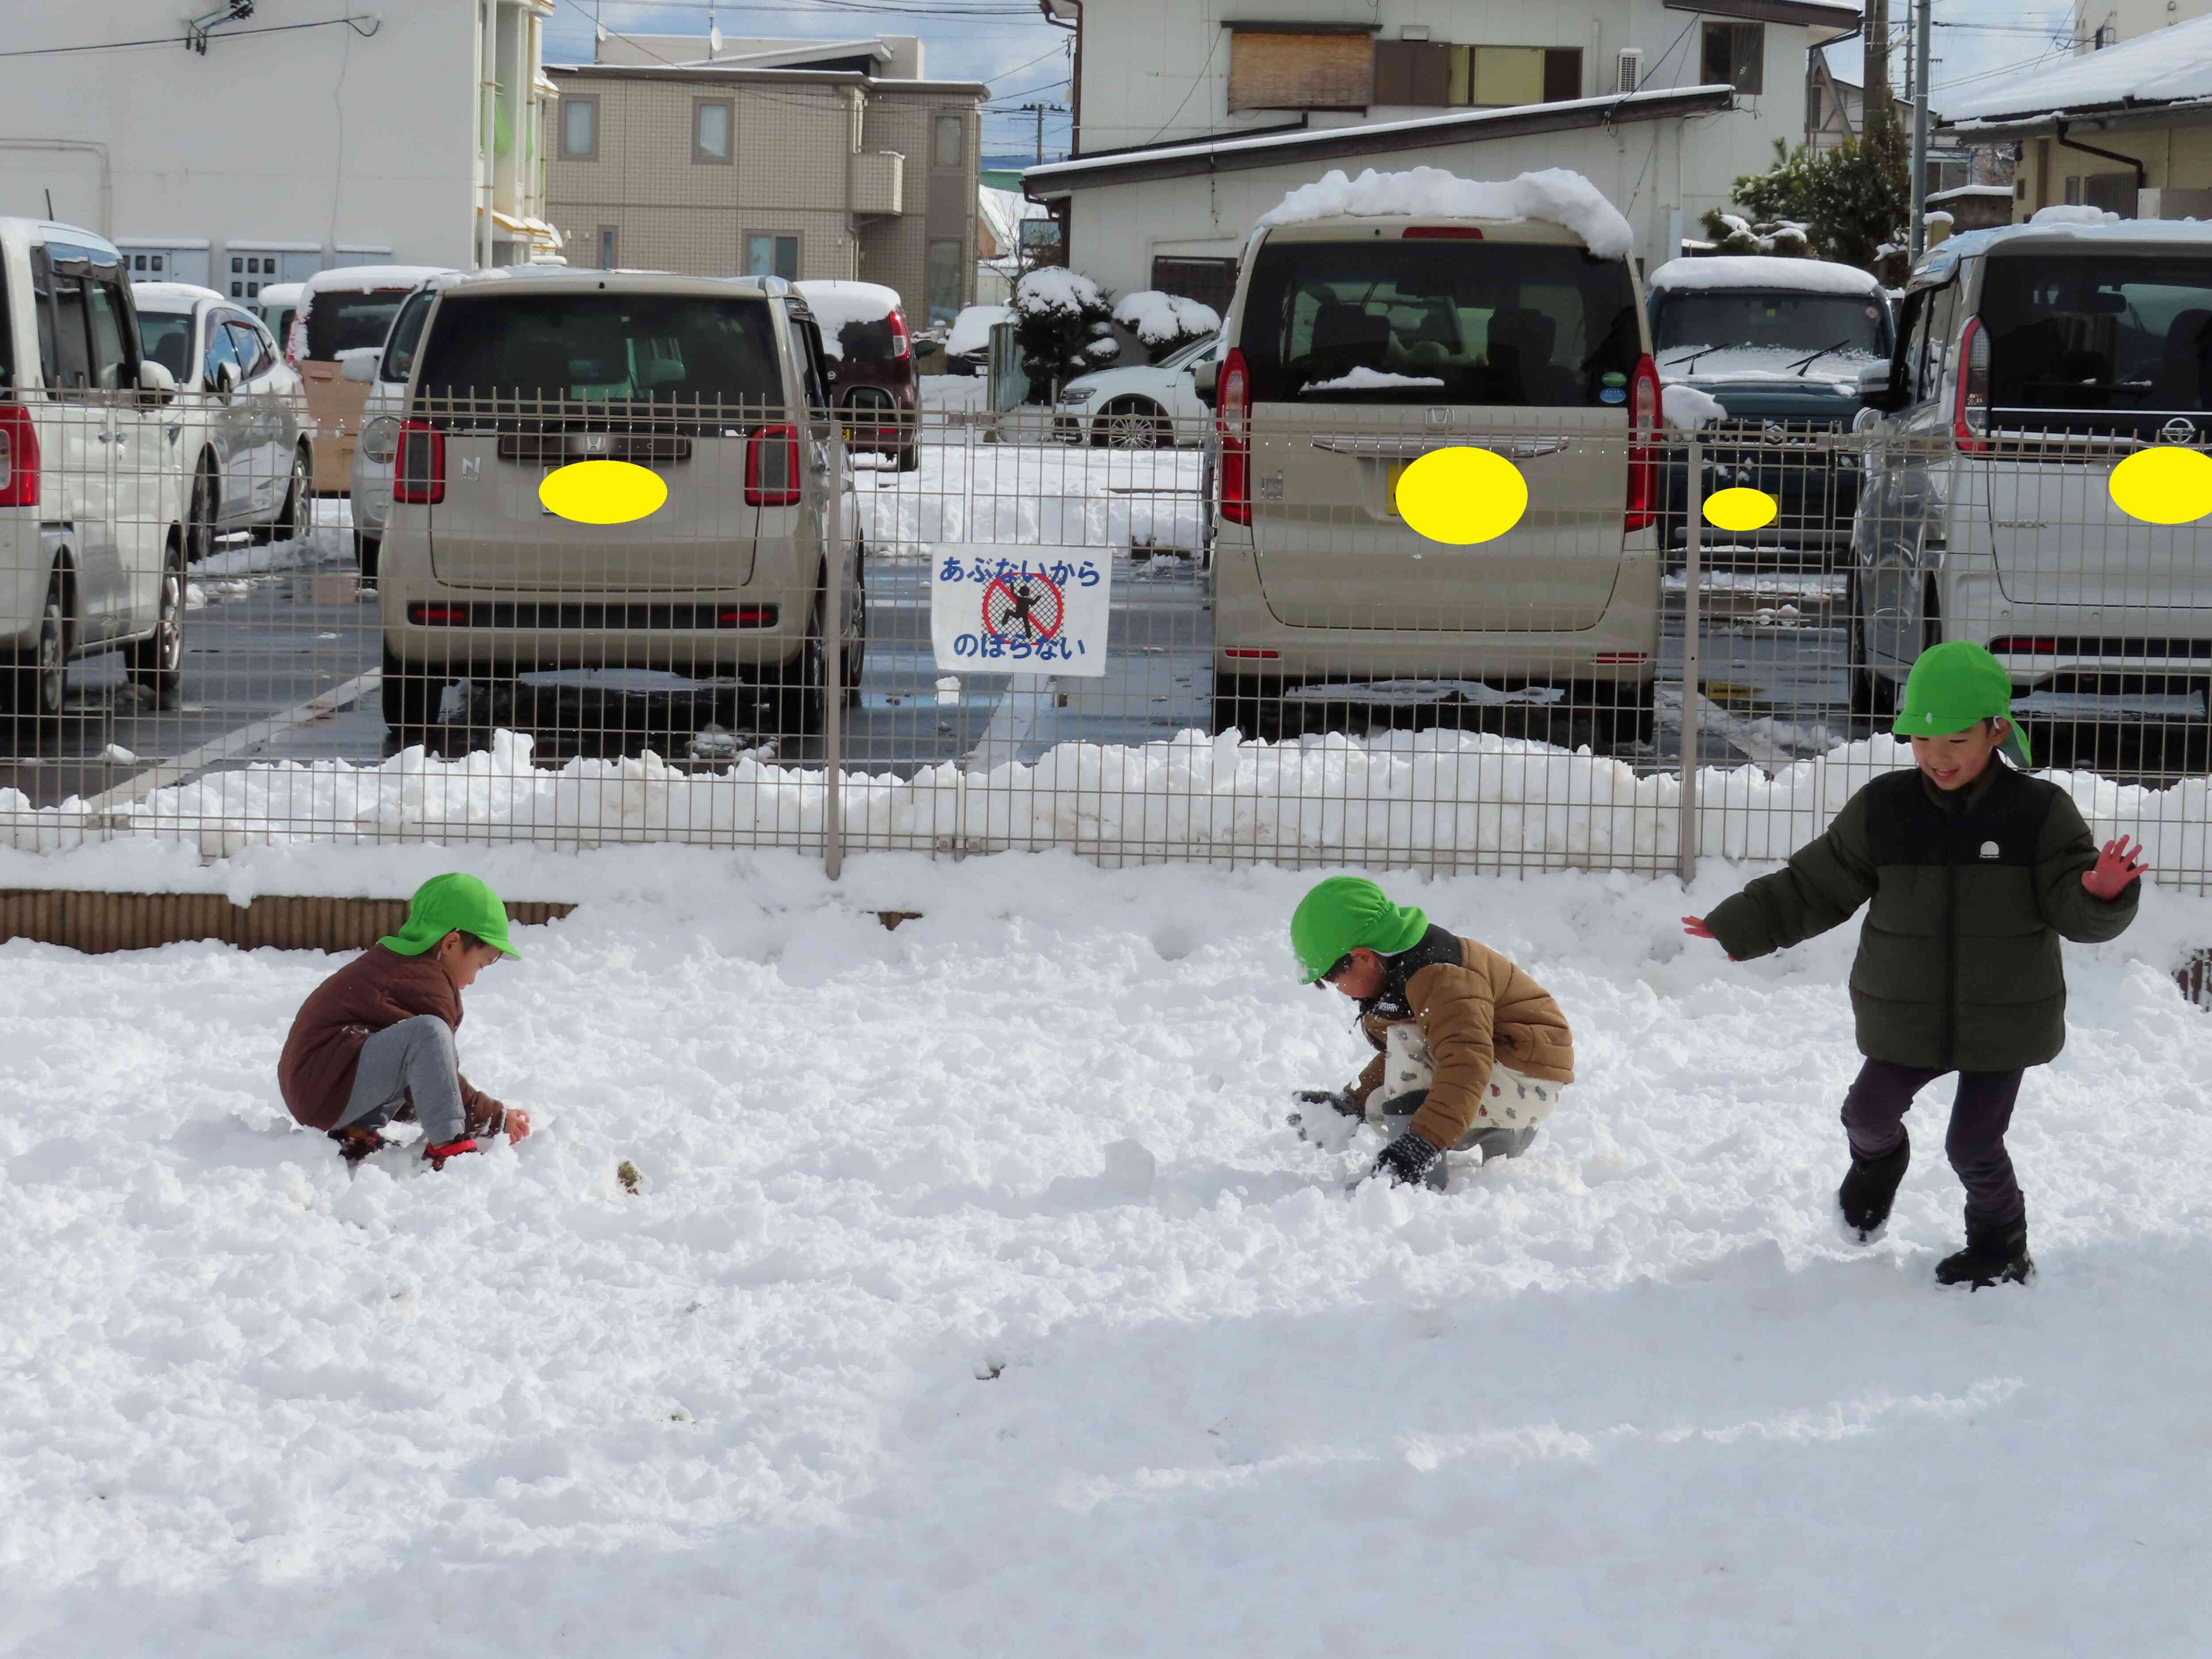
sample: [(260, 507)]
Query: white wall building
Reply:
[(1192, 117), (307, 134)]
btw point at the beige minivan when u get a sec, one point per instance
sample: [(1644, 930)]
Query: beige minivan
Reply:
[(716, 388), (1354, 347)]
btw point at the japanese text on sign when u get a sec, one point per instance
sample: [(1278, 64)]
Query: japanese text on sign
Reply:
[(1042, 613)]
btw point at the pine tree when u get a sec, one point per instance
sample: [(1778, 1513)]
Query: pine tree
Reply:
[(1851, 204)]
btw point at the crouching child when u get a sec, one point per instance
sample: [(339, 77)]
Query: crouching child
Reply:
[(373, 1043), (1472, 1054)]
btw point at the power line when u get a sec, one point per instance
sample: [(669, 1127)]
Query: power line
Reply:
[(353, 23)]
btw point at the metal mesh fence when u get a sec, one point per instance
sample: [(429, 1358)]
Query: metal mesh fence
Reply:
[(1103, 630)]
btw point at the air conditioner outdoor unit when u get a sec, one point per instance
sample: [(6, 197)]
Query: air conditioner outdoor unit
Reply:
[(1630, 69)]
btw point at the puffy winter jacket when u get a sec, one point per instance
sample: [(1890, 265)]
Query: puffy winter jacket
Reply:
[(1477, 1010), (1959, 963)]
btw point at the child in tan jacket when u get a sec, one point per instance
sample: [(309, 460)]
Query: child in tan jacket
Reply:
[(1472, 1052)]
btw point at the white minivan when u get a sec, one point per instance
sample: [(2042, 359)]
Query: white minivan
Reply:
[(92, 543)]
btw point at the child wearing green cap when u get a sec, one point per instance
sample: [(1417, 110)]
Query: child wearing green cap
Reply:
[(374, 1042), (1470, 1052), (1975, 871)]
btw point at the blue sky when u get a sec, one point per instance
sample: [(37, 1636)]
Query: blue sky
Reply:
[(1977, 43)]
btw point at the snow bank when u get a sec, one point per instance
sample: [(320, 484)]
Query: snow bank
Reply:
[(835, 302), (1753, 271), (1689, 408), (1436, 796), (978, 1253), (1157, 319), (971, 329), (1554, 195)]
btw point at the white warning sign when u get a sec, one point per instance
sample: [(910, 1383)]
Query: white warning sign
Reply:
[(1040, 613)]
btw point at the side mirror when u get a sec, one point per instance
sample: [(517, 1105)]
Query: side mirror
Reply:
[(1204, 376), (358, 364), (155, 378), (1878, 387), (226, 379)]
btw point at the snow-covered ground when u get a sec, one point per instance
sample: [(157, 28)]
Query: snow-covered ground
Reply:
[(975, 1300), (1031, 494)]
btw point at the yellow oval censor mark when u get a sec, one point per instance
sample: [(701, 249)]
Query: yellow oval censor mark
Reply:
[(1741, 508), (603, 492), (1462, 496), (2165, 485)]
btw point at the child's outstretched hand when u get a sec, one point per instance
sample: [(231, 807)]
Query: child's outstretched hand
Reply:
[(1696, 929), (516, 1123), (2118, 864)]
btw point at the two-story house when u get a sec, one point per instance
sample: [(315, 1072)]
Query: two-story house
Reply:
[(1193, 117), (779, 158)]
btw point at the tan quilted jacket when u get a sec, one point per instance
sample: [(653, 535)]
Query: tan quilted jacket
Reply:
[(1485, 1013)]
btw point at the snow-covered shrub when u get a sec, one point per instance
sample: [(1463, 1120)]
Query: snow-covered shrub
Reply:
[(1165, 321), (1065, 323)]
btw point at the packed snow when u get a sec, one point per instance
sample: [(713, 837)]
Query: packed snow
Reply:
[(835, 302), (1554, 195), (971, 329), (1724, 271), (1158, 318), (1360, 378), (972, 1294), (1689, 408)]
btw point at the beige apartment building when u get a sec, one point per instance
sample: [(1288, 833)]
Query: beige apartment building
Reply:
[(728, 169)]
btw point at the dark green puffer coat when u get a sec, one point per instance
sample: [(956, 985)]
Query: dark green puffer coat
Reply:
[(1959, 964)]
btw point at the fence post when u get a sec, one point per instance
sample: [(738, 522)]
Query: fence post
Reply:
[(832, 690), (1685, 839)]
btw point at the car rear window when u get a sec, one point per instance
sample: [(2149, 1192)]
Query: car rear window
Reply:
[(1686, 325), (2093, 337), (603, 348), (867, 342), (1513, 323), (339, 322)]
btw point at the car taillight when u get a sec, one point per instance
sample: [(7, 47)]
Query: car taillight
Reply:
[(438, 616), (19, 457), (1232, 419), (901, 348), (1643, 418), (418, 475), (2014, 644), (745, 615), (772, 467), (1969, 414)]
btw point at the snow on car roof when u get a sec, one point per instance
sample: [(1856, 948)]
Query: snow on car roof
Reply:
[(1759, 270), (1554, 195), (971, 329), (362, 278), (281, 294), (169, 296), (2056, 227), (836, 302)]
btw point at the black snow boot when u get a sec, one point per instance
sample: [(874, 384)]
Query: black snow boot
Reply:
[(1871, 1187), (1993, 1256)]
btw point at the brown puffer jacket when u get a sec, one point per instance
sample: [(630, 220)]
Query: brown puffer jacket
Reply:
[(1477, 1010), (377, 988)]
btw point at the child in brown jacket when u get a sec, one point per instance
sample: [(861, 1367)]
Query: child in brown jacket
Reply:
[(374, 1042), (1473, 1053)]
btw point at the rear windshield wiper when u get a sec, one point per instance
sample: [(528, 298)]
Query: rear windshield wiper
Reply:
[(1804, 363)]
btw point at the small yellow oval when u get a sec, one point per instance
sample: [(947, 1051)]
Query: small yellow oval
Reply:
[(1741, 508), (2165, 485), (603, 492), (1462, 496)]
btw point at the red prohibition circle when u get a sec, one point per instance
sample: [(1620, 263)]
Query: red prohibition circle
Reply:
[(1038, 608)]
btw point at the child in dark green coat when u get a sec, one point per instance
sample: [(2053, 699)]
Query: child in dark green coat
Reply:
[(1976, 871)]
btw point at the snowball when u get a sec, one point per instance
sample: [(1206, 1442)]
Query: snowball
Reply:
[(1555, 195)]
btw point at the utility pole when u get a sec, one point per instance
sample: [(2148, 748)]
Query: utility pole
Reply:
[(1040, 111), (1874, 102), (1921, 24)]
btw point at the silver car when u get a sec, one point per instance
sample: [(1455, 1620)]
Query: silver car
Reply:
[(244, 462), (715, 388), (2031, 360)]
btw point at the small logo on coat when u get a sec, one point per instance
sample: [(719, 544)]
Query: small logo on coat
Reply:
[(1991, 850)]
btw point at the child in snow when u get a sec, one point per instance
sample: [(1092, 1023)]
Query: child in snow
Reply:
[(374, 1042), (1472, 1052), (1975, 871)]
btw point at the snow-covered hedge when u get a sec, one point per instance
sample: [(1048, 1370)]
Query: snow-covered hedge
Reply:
[(1066, 325), (1165, 321)]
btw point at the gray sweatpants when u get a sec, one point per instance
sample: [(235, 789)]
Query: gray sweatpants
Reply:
[(412, 1062)]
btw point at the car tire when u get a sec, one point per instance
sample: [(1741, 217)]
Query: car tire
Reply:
[(296, 516), (366, 551), (854, 656), (1873, 697), (35, 685), (799, 697), (909, 459), (157, 662), (1250, 705), (1133, 423), (1627, 715), (410, 699), (199, 516)]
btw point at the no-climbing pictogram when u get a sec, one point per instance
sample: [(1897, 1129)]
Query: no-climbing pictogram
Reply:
[(1028, 605)]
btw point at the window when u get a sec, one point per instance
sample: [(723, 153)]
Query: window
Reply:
[(1314, 69), (580, 127), (406, 333), (222, 352), (2106, 342), (607, 246), (112, 362), (947, 292), (339, 321), (166, 337), (768, 254), (1432, 74), (710, 130), (1735, 56), (256, 357), (596, 348), (947, 140), (70, 366), (1209, 281)]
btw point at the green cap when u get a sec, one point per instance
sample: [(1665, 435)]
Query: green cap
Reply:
[(1953, 686), (1346, 912), (445, 904)]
